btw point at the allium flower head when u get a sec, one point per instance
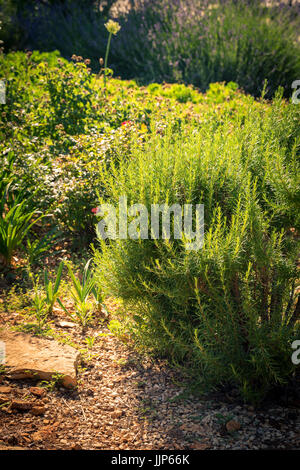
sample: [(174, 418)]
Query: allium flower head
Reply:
[(112, 27)]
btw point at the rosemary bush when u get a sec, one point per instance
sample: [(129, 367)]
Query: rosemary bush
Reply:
[(228, 311)]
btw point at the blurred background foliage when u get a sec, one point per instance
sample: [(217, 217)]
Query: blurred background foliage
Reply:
[(194, 41)]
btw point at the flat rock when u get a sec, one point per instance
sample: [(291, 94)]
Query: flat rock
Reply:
[(28, 356), (38, 410), (5, 390), (200, 446), (21, 405), (3, 399), (37, 391), (66, 324), (233, 425), (4, 447)]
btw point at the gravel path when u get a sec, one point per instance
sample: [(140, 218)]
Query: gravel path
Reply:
[(125, 402)]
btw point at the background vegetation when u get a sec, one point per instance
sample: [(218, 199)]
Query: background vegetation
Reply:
[(69, 141), (193, 41)]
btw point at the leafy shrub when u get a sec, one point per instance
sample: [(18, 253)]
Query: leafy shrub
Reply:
[(227, 311), (16, 220), (70, 95), (57, 146), (37, 247)]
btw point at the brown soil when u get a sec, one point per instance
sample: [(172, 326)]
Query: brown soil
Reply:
[(124, 401)]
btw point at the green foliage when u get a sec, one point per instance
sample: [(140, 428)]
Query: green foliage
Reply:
[(43, 300), (37, 247), (39, 304), (227, 311), (15, 222), (40, 326), (53, 383), (86, 353), (70, 95), (89, 340), (112, 27), (73, 23), (57, 127), (81, 292), (52, 290)]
